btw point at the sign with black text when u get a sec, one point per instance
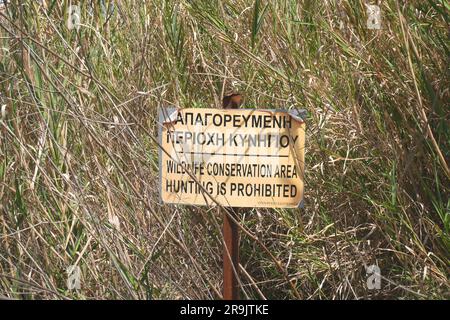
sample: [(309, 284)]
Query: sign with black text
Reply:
[(235, 157)]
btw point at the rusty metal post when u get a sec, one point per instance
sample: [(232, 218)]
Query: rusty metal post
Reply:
[(231, 232), (230, 258)]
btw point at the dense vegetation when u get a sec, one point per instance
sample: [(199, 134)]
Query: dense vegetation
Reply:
[(79, 163)]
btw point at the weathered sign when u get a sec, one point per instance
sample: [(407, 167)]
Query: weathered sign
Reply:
[(239, 157)]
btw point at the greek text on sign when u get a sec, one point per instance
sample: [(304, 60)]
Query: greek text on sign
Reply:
[(240, 158)]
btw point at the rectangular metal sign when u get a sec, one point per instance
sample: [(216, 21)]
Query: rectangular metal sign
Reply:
[(239, 157)]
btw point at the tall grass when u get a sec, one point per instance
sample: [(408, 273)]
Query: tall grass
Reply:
[(79, 163)]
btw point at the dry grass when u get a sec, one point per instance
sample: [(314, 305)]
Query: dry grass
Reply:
[(79, 167)]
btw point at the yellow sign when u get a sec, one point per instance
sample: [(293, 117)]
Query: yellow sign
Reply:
[(237, 158)]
